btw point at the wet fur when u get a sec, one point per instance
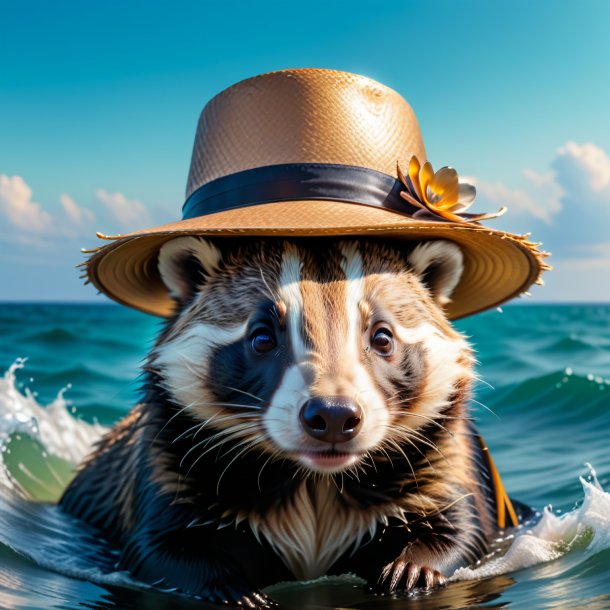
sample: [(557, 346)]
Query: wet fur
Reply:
[(199, 485)]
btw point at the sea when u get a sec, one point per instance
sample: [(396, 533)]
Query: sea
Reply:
[(542, 403)]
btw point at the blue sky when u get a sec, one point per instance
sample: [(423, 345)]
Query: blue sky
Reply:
[(99, 103)]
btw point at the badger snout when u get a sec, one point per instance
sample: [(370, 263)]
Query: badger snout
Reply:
[(333, 419)]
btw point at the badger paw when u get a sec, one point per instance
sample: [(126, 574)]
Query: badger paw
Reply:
[(254, 600), (237, 597), (404, 576)]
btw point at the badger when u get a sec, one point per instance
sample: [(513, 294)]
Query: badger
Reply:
[(305, 412)]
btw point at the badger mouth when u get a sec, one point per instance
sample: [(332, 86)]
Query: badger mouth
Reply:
[(328, 461)]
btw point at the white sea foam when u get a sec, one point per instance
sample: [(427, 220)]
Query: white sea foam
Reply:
[(580, 533), (61, 434), (585, 530)]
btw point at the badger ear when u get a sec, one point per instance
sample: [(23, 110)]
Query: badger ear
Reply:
[(185, 263), (439, 265)]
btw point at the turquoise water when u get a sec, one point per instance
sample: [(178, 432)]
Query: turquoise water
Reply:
[(543, 406)]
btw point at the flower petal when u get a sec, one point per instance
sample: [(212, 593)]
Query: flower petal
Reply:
[(446, 214), (426, 173), (400, 175), (442, 190), (413, 171), (466, 193), (426, 214), (460, 207), (439, 195), (408, 197), (488, 216)]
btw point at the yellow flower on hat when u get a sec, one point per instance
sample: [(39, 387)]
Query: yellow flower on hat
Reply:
[(441, 193)]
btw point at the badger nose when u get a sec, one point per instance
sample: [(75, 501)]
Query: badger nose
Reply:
[(333, 419)]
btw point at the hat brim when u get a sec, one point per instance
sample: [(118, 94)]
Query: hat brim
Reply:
[(497, 265)]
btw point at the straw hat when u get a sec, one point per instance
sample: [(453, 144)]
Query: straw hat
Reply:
[(323, 153)]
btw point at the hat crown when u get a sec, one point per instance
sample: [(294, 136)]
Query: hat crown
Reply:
[(303, 116)]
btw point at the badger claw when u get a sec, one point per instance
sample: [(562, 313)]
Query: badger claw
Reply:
[(237, 597), (255, 600), (404, 576)]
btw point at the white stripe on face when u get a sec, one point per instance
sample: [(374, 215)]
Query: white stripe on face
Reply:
[(184, 362), (282, 416), (442, 355), (354, 279), (290, 292), (376, 413)]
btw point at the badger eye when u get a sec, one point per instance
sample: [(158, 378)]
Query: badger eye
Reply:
[(382, 341), (262, 341)]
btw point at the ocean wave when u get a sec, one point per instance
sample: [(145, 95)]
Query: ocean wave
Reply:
[(53, 336), (60, 434), (583, 532), (60, 336), (89, 376), (83, 373), (552, 390), (565, 347)]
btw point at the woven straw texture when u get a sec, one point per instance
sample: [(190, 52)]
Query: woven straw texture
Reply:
[(304, 116)]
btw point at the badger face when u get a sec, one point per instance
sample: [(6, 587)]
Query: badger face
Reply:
[(326, 353)]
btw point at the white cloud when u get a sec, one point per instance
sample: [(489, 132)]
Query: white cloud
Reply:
[(583, 171), (78, 215), (17, 206), (493, 195), (577, 182), (546, 194), (26, 222), (541, 199), (130, 213)]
